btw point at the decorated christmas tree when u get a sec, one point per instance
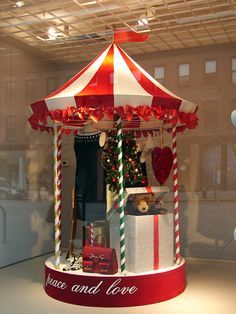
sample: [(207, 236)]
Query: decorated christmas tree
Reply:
[(134, 172)]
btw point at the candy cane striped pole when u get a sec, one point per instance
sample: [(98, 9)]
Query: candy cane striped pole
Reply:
[(121, 196), (57, 192), (91, 234), (176, 196)]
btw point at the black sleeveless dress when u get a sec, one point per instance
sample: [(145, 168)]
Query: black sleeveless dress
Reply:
[(89, 179)]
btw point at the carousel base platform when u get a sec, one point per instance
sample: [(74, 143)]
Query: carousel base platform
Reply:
[(77, 287)]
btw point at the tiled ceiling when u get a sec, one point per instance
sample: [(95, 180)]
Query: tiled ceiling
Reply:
[(84, 28)]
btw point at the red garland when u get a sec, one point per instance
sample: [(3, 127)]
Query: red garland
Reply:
[(72, 115)]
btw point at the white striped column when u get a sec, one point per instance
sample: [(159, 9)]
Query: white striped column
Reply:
[(91, 234), (121, 196), (176, 196), (57, 191)]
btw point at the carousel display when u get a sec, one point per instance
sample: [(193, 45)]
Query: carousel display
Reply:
[(132, 256)]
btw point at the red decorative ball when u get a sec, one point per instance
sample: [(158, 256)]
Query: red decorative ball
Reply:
[(144, 181), (113, 179)]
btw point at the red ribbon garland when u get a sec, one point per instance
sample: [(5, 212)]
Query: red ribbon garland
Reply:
[(71, 115)]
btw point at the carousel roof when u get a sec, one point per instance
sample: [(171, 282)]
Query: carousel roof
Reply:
[(111, 84)]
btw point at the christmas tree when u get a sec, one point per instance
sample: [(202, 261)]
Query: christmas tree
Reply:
[(133, 170)]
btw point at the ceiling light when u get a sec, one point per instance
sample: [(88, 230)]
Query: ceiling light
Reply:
[(89, 3), (143, 20), (52, 33), (19, 4), (85, 3)]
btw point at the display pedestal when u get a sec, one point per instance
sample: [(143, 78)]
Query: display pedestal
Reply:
[(80, 288)]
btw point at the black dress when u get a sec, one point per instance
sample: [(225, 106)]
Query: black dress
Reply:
[(89, 179)]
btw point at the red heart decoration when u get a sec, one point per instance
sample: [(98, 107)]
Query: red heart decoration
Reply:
[(162, 162)]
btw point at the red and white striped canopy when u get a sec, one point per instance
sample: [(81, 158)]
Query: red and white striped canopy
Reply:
[(111, 84)]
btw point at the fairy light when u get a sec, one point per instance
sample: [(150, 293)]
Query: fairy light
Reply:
[(19, 4), (143, 20), (52, 33)]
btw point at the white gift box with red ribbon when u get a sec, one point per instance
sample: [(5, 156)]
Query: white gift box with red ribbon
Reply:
[(148, 241)]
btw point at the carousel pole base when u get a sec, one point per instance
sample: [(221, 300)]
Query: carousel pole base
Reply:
[(77, 287)]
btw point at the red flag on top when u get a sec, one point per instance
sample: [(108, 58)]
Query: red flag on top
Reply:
[(124, 35)]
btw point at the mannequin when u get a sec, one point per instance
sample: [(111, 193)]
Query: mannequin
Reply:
[(89, 181)]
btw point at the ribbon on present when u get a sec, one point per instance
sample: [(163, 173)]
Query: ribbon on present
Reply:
[(155, 236), (149, 189)]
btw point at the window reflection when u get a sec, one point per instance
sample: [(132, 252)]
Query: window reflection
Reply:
[(207, 155), (25, 160)]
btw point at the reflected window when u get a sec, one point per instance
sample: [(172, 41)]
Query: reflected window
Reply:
[(234, 70), (184, 69), (184, 74), (210, 66), (159, 73)]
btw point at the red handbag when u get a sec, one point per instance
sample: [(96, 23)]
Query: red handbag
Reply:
[(99, 259)]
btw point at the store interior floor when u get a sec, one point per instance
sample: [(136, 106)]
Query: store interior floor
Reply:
[(211, 289)]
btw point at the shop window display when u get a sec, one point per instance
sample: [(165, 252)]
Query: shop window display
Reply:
[(137, 109)]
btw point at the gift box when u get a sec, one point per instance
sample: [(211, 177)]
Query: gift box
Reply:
[(159, 192), (152, 195), (148, 241)]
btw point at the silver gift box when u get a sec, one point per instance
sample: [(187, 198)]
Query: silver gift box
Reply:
[(139, 241)]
